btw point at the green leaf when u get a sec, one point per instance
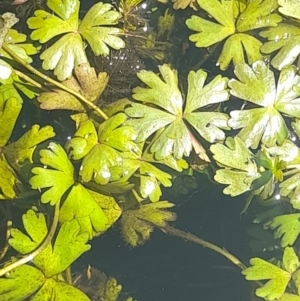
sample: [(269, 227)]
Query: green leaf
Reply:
[(80, 205), (58, 174), (287, 228), (258, 14), (239, 170), (284, 38), (61, 290), (137, 225), (104, 162), (10, 106), (46, 25), (278, 279), (69, 51), (265, 124), (290, 188), (15, 42), (20, 152), (289, 297), (290, 261), (85, 138), (212, 32), (8, 180), (166, 115), (64, 55), (289, 8), (21, 283), (95, 30), (53, 259), (232, 22), (8, 20)]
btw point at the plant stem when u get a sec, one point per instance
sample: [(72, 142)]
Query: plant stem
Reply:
[(54, 82), (39, 249), (195, 239)]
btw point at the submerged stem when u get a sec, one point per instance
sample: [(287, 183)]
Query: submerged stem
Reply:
[(54, 82), (30, 256)]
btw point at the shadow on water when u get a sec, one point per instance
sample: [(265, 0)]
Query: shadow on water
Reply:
[(168, 268)]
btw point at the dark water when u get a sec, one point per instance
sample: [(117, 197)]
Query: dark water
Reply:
[(170, 269)]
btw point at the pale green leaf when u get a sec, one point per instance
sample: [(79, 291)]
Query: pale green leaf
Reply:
[(57, 175), (264, 124), (284, 38), (199, 96), (65, 54), (278, 279), (96, 29), (258, 14), (239, 170), (165, 114), (290, 188), (287, 227), (47, 25), (289, 8), (236, 47)]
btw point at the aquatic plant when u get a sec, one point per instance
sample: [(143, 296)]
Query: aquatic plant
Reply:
[(123, 152)]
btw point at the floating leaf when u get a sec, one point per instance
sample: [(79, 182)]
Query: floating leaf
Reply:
[(137, 225), (21, 283), (68, 52), (80, 205), (104, 162), (94, 28), (10, 106), (53, 259), (284, 38), (8, 180), (289, 8), (290, 188), (287, 227), (239, 170), (84, 139), (58, 174), (166, 112), (265, 124), (278, 279), (20, 152), (232, 22)]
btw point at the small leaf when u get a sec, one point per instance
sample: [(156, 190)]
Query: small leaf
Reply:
[(58, 174), (21, 283), (287, 227), (278, 279), (21, 151), (239, 170), (53, 259), (81, 206), (8, 180), (137, 225), (94, 29), (84, 139)]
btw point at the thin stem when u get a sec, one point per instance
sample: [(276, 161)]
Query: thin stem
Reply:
[(30, 80), (195, 239), (54, 82), (39, 249)]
